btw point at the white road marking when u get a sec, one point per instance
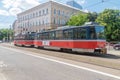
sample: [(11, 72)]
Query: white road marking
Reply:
[(2, 64), (68, 64)]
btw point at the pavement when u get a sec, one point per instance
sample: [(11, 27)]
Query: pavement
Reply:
[(22, 65), (110, 50)]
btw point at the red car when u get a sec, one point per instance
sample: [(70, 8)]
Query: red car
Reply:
[(117, 46)]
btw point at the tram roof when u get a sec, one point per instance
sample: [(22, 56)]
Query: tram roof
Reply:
[(68, 27)]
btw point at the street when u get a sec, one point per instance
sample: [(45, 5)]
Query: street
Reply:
[(15, 65)]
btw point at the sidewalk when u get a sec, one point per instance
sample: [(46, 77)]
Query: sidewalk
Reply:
[(110, 50)]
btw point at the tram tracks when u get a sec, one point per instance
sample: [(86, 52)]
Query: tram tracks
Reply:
[(108, 60)]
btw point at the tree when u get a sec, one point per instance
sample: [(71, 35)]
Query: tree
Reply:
[(111, 20), (92, 16), (6, 33), (78, 19)]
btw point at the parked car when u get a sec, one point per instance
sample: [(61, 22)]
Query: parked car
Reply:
[(117, 46)]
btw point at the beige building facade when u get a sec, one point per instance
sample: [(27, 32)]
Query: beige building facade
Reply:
[(45, 16)]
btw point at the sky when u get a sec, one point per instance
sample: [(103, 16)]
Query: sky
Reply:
[(9, 8)]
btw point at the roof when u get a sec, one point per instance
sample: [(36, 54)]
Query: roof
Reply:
[(66, 5), (68, 27), (53, 2)]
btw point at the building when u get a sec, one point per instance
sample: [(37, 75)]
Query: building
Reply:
[(45, 16), (16, 28), (74, 4)]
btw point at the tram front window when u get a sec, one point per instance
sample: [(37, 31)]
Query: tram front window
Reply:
[(100, 32)]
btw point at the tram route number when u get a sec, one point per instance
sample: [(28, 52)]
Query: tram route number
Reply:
[(45, 43)]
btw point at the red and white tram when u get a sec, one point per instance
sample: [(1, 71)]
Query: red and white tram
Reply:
[(24, 39), (87, 38)]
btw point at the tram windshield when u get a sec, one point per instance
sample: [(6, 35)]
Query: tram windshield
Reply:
[(100, 32)]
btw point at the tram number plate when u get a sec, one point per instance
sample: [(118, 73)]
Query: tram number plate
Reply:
[(45, 43)]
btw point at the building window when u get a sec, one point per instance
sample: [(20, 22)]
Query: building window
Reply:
[(36, 14), (33, 23), (27, 16), (33, 15), (46, 11), (39, 13), (23, 18), (54, 21), (58, 12), (46, 21), (30, 24), (43, 22), (39, 23), (26, 25), (43, 11), (63, 13), (30, 15), (36, 23), (54, 11), (59, 21), (23, 25)]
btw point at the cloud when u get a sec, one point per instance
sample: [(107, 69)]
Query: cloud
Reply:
[(87, 11), (28, 4), (81, 2), (7, 3), (14, 11), (4, 13), (16, 6), (19, 3)]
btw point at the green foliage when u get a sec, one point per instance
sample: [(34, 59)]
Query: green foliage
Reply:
[(111, 20), (4, 33), (92, 16), (77, 20), (80, 18)]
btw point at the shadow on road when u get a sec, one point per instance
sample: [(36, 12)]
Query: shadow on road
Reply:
[(109, 56)]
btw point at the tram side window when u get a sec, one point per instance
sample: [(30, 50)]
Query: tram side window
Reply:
[(40, 36), (45, 36), (52, 35), (75, 33), (36, 37), (92, 33), (68, 34), (26, 37), (81, 33), (59, 34), (31, 37)]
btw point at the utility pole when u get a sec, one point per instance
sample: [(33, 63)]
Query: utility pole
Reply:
[(10, 33)]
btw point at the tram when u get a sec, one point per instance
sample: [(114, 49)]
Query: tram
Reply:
[(24, 39), (86, 38)]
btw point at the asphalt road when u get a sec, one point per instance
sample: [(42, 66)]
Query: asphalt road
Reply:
[(15, 65)]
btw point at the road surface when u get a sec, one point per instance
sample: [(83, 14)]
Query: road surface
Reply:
[(17, 65)]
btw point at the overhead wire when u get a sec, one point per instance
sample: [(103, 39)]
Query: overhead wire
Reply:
[(114, 3), (95, 4)]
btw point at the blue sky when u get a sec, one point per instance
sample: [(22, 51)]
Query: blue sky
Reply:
[(9, 8)]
